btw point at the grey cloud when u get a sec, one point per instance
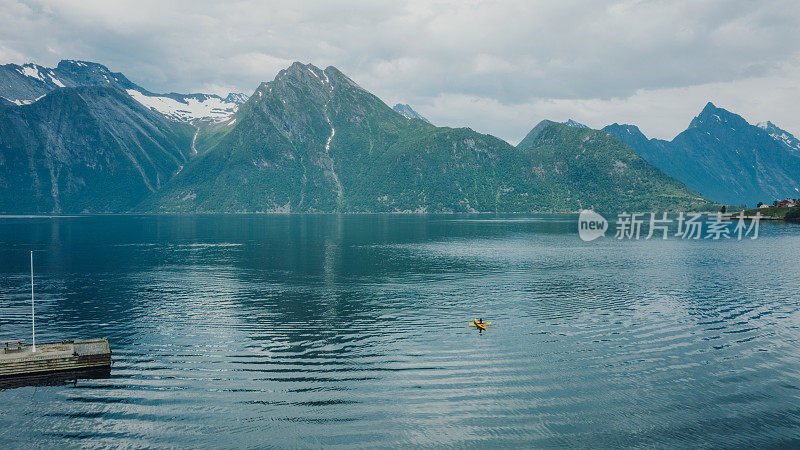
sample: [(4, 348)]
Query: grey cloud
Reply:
[(517, 56)]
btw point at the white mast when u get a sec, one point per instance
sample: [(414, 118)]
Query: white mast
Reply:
[(33, 315)]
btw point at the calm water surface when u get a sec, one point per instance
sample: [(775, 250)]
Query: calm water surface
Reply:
[(297, 331)]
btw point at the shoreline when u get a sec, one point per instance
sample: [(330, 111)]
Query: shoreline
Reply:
[(385, 213)]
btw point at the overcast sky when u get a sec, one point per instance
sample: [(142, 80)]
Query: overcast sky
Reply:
[(497, 67)]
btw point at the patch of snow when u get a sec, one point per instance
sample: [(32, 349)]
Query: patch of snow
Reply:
[(330, 138), (16, 102), (194, 140), (787, 140), (209, 107), (29, 70), (56, 81), (24, 102), (334, 175)]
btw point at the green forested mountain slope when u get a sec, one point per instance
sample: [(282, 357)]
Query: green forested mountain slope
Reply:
[(577, 168), (312, 140)]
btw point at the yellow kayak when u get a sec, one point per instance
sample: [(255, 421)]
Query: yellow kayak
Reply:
[(479, 325)]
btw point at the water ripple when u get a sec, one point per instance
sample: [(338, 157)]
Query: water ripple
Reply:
[(325, 331)]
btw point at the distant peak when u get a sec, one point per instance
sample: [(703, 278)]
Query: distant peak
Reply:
[(532, 135), (72, 63), (712, 114), (625, 127), (297, 65), (236, 97), (709, 110), (300, 71), (572, 123), (311, 75), (332, 71), (295, 69), (408, 112), (780, 135)]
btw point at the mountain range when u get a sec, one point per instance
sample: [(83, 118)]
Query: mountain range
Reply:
[(81, 139), (313, 140), (28, 83), (724, 157)]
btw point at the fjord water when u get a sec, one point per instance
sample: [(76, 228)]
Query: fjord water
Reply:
[(324, 330)]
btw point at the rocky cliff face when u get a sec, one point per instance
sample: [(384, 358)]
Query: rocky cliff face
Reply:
[(86, 149)]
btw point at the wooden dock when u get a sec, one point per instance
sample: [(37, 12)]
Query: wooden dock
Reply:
[(18, 358)]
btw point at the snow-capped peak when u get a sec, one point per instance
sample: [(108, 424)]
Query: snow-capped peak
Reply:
[(40, 73), (236, 97), (32, 70), (25, 84)]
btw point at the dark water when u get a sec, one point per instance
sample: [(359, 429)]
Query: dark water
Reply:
[(297, 331)]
